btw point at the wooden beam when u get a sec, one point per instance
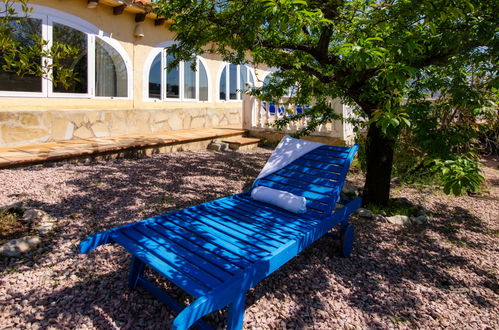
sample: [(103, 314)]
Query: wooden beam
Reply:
[(118, 10), (159, 21), (140, 17)]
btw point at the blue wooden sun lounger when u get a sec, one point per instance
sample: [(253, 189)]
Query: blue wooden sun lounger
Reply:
[(218, 250)]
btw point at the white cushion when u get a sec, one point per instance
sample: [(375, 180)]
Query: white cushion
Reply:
[(279, 198)]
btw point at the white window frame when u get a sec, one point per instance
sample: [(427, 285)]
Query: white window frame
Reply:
[(148, 64), (226, 66), (49, 16)]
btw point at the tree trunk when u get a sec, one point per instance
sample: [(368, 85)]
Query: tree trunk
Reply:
[(379, 154)]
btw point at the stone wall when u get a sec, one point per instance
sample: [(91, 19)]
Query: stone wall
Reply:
[(25, 127), (273, 136)]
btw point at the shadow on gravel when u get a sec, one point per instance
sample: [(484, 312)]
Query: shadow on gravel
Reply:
[(454, 220), (126, 190), (377, 277), (104, 298)]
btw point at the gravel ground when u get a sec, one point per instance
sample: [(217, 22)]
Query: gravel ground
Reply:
[(443, 275)]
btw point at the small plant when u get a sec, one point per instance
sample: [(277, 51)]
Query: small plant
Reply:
[(461, 174), (392, 208), (269, 144), (11, 224)]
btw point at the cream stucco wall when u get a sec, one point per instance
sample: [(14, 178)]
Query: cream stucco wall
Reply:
[(60, 118)]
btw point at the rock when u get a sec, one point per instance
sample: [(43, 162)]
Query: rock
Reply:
[(45, 228), (420, 210), (215, 146), (379, 218), (364, 213), (40, 220), (399, 219), (15, 247), (349, 190), (218, 146), (8, 207), (402, 202), (37, 217), (421, 220), (396, 180)]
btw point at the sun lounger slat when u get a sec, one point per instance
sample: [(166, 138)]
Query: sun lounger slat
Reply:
[(300, 192), (318, 165), (328, 183), (232, 235), (301, 185), (313, 172), (269, 214), (275, 227), (148, 240), (324, 159), (334, 149), (179, 278), (244, 231), (223, 257), (328, 154), (241, 219), (165, 240), (225, 242), (237, 209)]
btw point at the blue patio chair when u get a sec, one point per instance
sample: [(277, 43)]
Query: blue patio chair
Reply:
[(217, 251), (269, 106), (281, 110)]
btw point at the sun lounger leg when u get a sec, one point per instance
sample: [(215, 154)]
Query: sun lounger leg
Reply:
[(136, 270), (236, 313)]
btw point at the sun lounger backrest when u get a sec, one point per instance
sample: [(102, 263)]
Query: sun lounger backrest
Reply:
[(318, 176)]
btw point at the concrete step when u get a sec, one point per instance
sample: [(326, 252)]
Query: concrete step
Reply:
[(242, 143)]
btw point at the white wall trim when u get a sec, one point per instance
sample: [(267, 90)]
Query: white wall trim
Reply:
[(63, 18), (203, 62)]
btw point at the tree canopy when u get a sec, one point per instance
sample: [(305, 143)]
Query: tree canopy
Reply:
[(424, 69)]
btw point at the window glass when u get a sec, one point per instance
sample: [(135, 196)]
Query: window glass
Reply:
[(155, 78), (189, 81), (203, 83), (110, 71), (266, 81), (172, 79), (233, 82), (244, 78), (23, 31), (223, 84), (68, 36), (251, 80)]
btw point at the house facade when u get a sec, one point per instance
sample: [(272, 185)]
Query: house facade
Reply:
[(123, 87)]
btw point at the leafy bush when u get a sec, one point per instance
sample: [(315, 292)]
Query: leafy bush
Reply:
[(460, 175)]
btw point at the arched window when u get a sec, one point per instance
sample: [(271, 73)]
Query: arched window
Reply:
[(291, 90), (110, 71), (100, 66), (185, 82), (233, 79)]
